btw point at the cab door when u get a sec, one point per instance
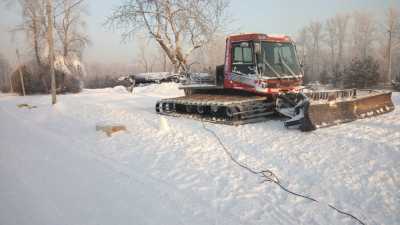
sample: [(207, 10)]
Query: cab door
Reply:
[(243, 59)]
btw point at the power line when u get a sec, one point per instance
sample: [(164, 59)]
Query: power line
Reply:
[(269, 176)]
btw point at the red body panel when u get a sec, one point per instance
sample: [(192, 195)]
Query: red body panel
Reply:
[(259, 37), (264, 86)]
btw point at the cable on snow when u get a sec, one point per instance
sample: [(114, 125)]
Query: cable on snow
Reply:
[(269, 176)]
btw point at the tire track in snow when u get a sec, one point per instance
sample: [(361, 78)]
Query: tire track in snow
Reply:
[(110, 110), (118, 167)]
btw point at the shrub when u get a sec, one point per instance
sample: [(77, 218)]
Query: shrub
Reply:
[(37, 80), (361, 73), (324, 77)]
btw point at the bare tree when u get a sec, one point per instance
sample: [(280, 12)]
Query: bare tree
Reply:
[(392, 27), (336, 33), (341, 22), (70, 28), (178, 26), (49, 11), (145, 56), (67, 20), (349, 38), (302, 42), (162, 58), (315, 30), (304, 47), (364, 33), (21, 76), (332, 40), (210, 55), (33, 24)]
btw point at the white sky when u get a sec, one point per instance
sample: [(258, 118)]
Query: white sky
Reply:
[(265, 16)]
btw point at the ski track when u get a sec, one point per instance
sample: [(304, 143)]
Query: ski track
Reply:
[(353, 166)]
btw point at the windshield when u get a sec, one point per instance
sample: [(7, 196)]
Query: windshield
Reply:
[(278, 59)]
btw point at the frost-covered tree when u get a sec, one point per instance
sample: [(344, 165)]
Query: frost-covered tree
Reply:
[(69, 41), (179, 27), (364, 30), (333, 44), (332, 39), (70, 27), (33, 24), (336, 33), (315, 30), (341, 22), (392, 27)]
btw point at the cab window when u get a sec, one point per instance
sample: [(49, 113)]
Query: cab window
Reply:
[(242, 53)]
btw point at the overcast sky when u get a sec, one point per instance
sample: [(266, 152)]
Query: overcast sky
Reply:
[(265, 16)]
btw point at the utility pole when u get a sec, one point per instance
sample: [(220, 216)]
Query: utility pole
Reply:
[(389, 69), (51, 49), (21, 76), (11, 84)]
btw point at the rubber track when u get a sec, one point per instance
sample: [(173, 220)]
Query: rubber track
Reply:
[(221, 109)]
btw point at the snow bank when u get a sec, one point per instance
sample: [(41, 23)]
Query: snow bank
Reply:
[(153, 90), (120, 89)]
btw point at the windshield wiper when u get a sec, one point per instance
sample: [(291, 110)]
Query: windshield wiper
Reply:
[(270, 67), (284, 63)]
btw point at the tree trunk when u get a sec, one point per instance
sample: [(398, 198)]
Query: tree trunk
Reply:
[(340, 54), (164, 63), (176, 68), (21, 76), (65, 49), (389, 63), (36, 42), (51, 50), (11, 84), (333, 63)]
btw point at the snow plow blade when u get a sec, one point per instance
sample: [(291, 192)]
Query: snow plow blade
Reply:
[(336, 107)]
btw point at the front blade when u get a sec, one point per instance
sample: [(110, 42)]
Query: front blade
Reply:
[(322, 113)]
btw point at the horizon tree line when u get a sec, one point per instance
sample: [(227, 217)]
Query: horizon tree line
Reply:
[(329, 48)]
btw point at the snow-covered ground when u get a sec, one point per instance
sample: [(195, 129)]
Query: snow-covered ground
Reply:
[(55, 168)]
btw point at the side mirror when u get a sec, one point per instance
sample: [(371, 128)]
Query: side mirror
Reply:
[(257, 49)]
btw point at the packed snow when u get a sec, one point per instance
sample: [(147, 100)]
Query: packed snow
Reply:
[(55, 168)]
